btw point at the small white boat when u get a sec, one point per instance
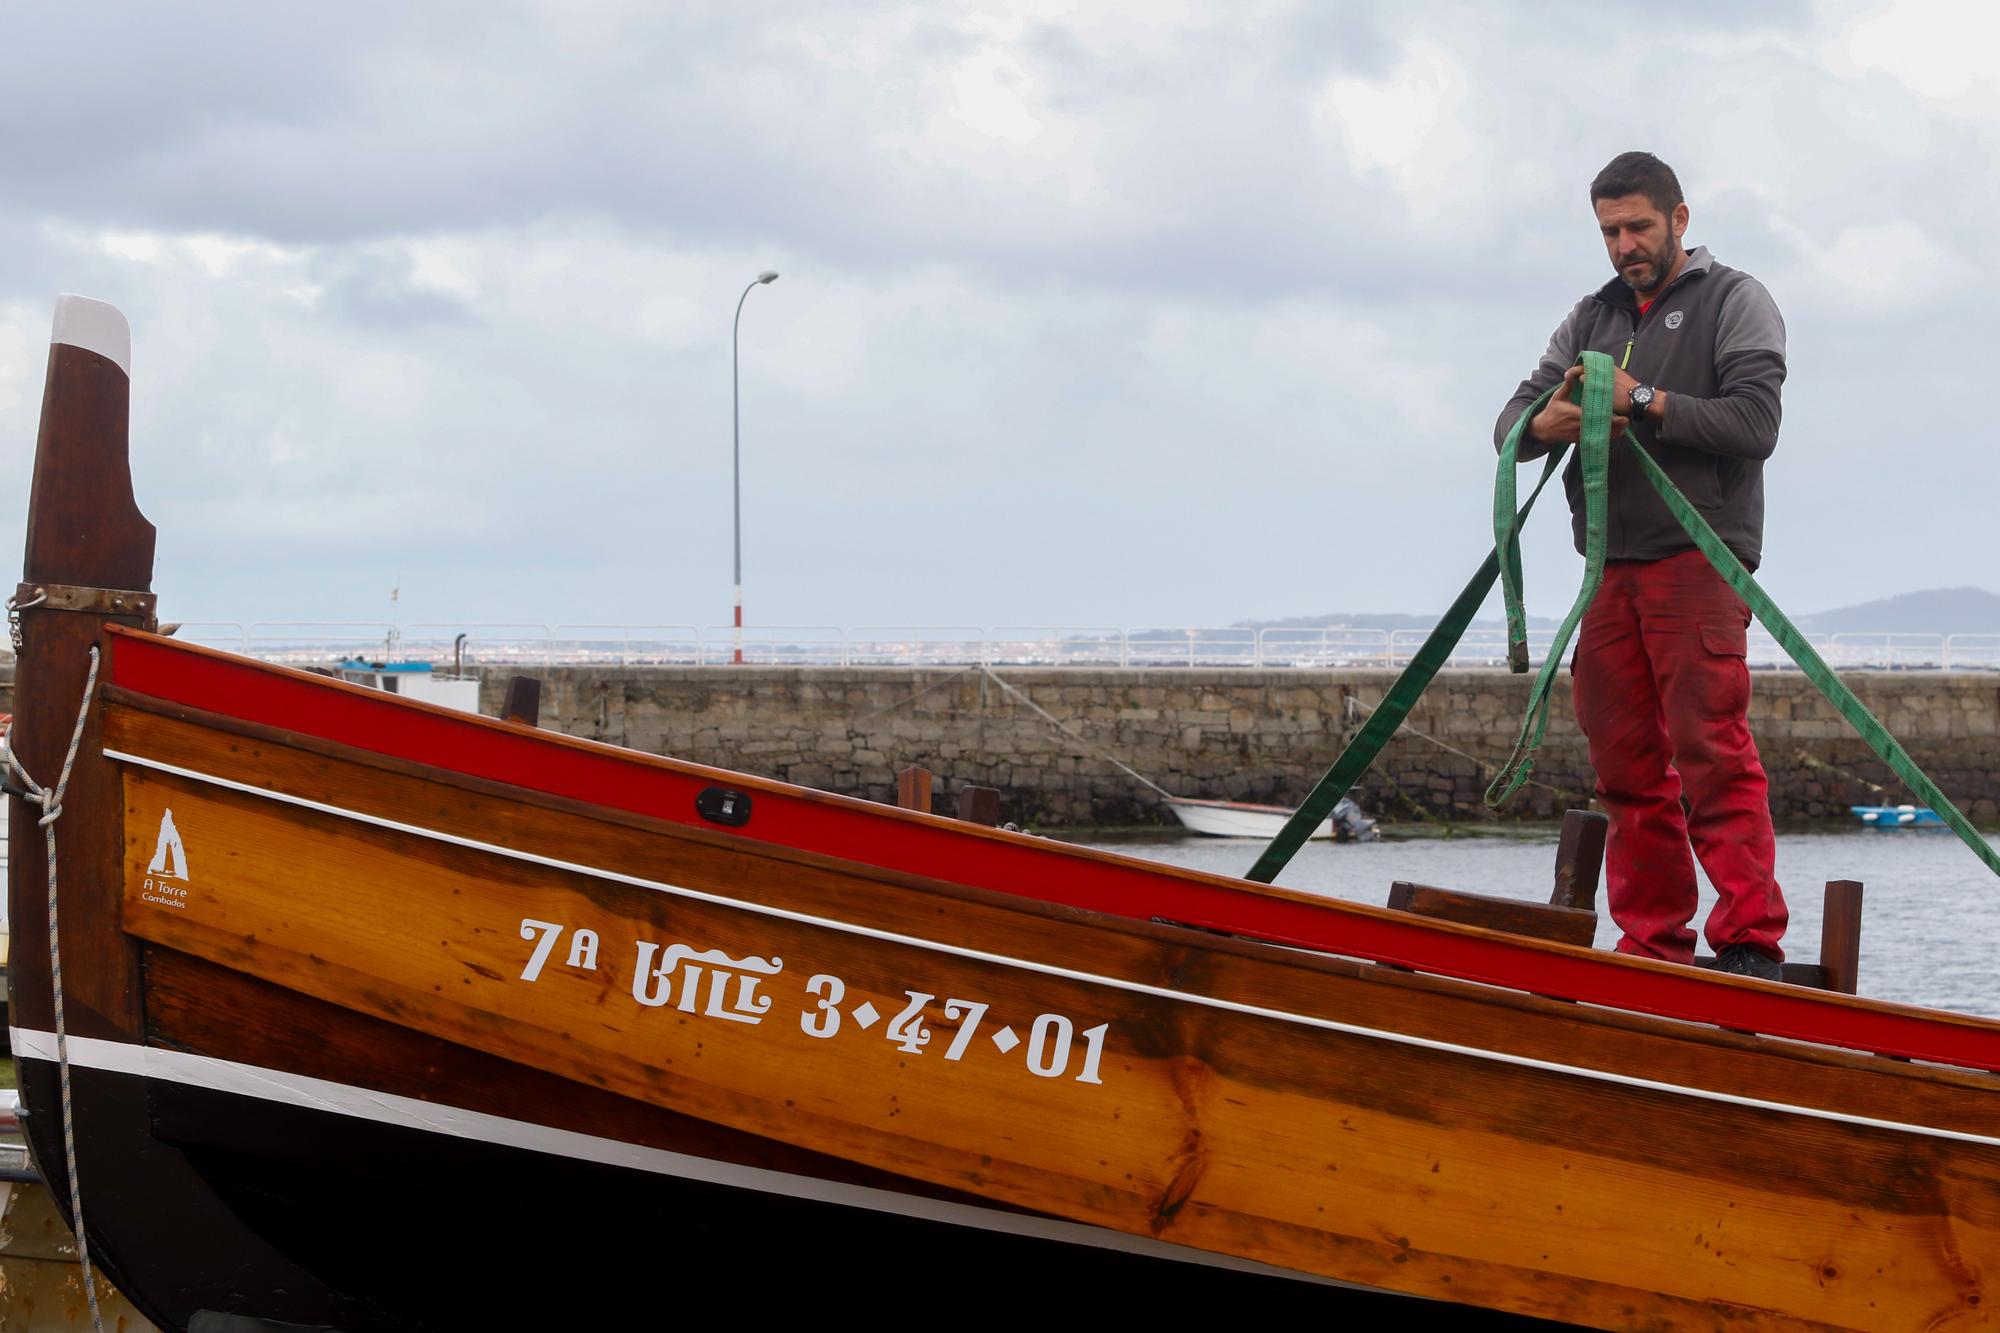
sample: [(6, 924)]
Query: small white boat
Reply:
[(414, 680), (1242, 819)]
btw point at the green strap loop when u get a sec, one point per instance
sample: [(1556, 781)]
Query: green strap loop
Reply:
[(1504, 564), (1594, 452)]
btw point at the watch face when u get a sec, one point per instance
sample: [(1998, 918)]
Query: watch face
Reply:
[(1642, 396)]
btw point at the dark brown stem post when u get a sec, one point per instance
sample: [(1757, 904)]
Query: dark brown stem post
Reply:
[(89, 550)]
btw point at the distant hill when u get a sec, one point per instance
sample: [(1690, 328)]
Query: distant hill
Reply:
[(1937, 611), (1380, 620)]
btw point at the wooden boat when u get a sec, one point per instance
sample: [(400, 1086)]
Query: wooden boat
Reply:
[(1246, 819), (707, 1045), (1236, 819)]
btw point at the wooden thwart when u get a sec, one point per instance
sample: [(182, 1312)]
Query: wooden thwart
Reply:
[(1570, 915), (979, 805), (1564, 925)]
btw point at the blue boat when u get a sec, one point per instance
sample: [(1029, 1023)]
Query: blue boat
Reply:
[(1898, 816)]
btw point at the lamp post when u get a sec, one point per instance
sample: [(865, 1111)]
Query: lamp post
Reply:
[(736, 447)]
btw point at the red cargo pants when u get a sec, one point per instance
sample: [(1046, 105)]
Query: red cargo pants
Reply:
[(1661, 692)]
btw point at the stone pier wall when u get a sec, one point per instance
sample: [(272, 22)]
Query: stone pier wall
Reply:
[(1234, 735)]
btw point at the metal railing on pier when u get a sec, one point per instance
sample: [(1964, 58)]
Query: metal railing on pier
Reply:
[(497, 646)]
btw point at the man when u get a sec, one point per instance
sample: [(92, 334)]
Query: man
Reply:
[(1661, 684)]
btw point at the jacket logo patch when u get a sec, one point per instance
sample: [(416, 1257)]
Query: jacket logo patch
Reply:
[(1673, 319)]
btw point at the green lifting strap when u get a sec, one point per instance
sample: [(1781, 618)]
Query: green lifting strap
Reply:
[(1594, 453), (1402, 696), (1504, 563)]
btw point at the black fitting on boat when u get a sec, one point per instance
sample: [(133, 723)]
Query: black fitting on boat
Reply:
[(719, 805)]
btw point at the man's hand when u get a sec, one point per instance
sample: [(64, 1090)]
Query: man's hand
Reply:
[(1621, 391), (1561, 420), (1621, 397)]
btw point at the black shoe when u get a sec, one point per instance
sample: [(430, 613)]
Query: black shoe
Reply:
[(1740, 960)]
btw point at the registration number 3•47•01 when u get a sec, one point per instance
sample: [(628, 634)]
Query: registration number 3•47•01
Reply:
[(710, 983)]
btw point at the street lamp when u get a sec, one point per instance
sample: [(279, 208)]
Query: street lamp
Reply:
[(736, 447)]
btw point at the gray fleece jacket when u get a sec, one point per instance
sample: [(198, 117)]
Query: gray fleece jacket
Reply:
[(1715, 343)]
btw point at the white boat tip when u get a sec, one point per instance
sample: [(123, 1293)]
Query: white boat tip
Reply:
[(95, 327)]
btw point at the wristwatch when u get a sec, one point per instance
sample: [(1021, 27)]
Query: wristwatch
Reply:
[(1642, 398)]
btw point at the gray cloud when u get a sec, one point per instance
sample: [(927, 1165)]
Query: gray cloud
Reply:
[(1148, 319)]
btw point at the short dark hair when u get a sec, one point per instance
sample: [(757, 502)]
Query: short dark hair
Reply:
[(1638, 173)]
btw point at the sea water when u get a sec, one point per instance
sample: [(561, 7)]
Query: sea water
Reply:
[(1930, 917)]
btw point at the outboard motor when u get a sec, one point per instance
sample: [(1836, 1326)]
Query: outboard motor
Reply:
[(1350, 825)]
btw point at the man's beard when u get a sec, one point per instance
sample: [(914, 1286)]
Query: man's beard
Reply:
[(1647, 273)]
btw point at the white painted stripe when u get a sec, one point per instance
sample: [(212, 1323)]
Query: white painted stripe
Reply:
[(313, 1094), (1072, 974), (95, 327)]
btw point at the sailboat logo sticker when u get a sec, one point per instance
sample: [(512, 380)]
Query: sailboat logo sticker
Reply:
[(167, 872)]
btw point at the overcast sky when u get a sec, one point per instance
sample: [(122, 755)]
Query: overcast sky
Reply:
[(1092, 314)]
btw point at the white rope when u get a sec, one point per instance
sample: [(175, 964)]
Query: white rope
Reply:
[(1076, 736), (1485, 766), (51, 802)]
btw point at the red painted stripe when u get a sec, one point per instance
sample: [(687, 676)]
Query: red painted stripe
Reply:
[(942, 849)]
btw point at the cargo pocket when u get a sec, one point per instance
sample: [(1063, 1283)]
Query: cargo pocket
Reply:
[(1726, 640), (1725, 688)]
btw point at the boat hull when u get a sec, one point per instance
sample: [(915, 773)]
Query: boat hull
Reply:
[(1236, 819), (1898, 816), (579, 1232), (635, 981)]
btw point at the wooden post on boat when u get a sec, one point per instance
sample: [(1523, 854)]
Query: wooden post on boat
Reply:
[(1840, 935), (913, 788), (979, 805), (88, 564), (1580, 859), (524, 701)]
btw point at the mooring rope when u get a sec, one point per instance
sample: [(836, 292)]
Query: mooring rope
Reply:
[(1485, 765), (51, 799), (1076, 736), (1811, 760)]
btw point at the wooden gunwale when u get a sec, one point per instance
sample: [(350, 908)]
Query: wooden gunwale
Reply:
[(858, 832), (1505, 1022)]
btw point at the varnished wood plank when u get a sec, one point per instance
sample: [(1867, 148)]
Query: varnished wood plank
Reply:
[(1564, 925), (194, 1005)]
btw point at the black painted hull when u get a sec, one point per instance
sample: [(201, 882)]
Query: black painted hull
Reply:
[(254, 1207)]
